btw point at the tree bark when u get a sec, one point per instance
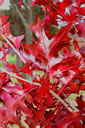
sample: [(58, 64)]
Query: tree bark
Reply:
[(26, 20)]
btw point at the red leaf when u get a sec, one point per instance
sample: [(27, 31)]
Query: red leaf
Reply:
[(11, 107), (20, 3), (76, 45), (81, 29), (4, 79), (81, 10), (15, 41), (26, 69), (59, 40), (43, 41)]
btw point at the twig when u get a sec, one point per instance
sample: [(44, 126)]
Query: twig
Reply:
[(62, 101), (18, 77), (16, 51), (71, 105)]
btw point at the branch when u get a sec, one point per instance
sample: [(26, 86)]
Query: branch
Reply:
[(21, 16), (62, 101), (18, 77), (16, 51), (27, 30), (27, 7)]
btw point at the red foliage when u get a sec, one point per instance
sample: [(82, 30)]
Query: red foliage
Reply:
[(60, 61)]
